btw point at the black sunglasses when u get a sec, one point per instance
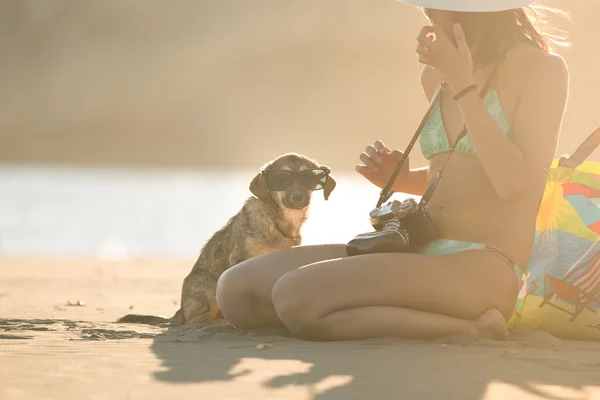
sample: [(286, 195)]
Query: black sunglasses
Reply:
[(279, 180)]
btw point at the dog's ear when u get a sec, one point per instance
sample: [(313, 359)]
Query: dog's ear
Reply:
[(329, 186), (259, 188)]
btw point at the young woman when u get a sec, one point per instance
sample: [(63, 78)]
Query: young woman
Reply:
[(485, 205)]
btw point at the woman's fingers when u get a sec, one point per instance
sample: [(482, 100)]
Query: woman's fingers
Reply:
[(461, 41), (374, 154), (371, 169), (381, 148), (368, 162), (372, 158), (441, 38), (391, 160), (364, 171)]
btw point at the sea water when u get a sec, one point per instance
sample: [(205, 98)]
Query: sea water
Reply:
[(117, 213)]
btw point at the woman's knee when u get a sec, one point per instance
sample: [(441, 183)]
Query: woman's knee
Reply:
[(235, 295), (297, 307)]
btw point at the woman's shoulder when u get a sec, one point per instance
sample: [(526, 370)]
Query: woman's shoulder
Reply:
[(533, 64)]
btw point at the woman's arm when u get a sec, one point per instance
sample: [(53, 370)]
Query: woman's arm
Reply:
[(379, 164), (511, 166), (416, 184)]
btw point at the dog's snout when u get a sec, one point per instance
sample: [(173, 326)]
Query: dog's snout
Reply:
[(297, 198)]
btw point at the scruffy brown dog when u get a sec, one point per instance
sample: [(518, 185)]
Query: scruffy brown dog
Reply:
[(270, 220)]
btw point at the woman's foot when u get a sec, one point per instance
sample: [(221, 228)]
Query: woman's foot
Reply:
[(491, 325)]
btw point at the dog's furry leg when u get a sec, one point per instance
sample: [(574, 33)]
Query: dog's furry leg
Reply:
[(199, 292), (198, 298)]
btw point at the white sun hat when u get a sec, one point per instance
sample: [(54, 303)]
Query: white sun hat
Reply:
[(470, 5)]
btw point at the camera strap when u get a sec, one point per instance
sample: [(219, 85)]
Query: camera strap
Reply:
[(386, 193)]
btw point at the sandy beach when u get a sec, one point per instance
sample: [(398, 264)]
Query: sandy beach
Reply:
[(58, 340), (209, 87)]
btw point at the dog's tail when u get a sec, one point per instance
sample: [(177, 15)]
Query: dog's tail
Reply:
[(176, 320)]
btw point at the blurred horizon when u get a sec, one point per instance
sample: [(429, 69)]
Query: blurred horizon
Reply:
[(228, 84)]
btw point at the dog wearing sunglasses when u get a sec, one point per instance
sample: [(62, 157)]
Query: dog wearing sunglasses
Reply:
[(269, 220)]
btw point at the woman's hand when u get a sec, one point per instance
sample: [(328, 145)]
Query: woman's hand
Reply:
[(378, 164), (455, 63)]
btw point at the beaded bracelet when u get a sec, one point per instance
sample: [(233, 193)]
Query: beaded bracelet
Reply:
[(465, 91)]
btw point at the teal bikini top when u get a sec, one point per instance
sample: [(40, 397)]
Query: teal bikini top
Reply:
[(434, 138)]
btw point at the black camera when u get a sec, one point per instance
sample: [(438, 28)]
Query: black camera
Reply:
[(400, 227)]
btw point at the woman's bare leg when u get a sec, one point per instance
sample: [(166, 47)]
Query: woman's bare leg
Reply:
[(244, 291), (411, 324), (407, 295)]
